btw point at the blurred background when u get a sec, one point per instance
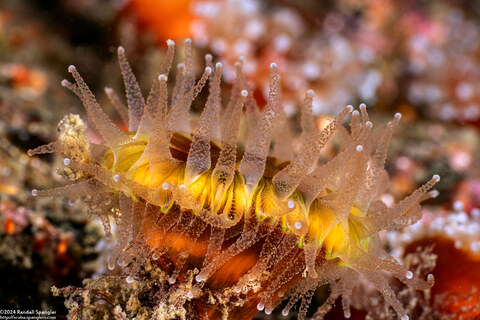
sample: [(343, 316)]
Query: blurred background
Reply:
[(420, 58)]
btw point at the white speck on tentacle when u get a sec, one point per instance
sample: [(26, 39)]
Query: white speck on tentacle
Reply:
[(291, 204)]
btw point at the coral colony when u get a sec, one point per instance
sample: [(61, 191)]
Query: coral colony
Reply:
[(248, 224)]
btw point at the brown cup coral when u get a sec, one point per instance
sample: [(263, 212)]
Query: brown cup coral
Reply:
[(261, 227)]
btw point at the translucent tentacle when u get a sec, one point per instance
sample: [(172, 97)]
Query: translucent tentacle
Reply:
[(118, 104), (272, 240), (382, 285), (287, 180), (194, 232), (238, 86), (178, 88), (363, 110), (125, 229), (304, 291), (72, 87), (388, 218), (282, 137), (311, 250), (252, 164), (135, 99), (52, 147), (109, 131), (157, 196), (314, 183), (379, 159), (217, 236), (189, 67), (103, 175), (178, 115), (307, 121), (155, 109), (78, 189), (167, 62), (224, 170), (246, 240), (287, 269), (355, 124), (199, 160)]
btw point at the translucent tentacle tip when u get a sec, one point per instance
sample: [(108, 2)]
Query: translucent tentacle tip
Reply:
[(291, 204), (434, 193), (298, 225), (218, 65), (172, 280), (430, 278), (273, 65), (116, 177), (34, 192), (355, 112), (244, 93), (65, 83), (66, 161), (162, 77), (200, 278), (409, 274), (111, 264), (170, 42), (285, 312), (121, 50), (398, 116), (349, 108), (404, 317), (359, 148), (190, 294), (71, 68), (310, 93), (208, 70), (436, 177), (130, 279), (260, 306), (165, 186), (347, 314)]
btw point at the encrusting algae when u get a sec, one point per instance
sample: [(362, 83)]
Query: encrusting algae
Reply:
[(258, 225)]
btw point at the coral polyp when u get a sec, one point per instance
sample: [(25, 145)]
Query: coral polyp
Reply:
[(254, 222)]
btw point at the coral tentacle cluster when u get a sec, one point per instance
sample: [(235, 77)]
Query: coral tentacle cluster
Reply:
[(285, 222)]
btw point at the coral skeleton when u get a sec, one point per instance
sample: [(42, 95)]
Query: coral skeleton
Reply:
[(257, 224)]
